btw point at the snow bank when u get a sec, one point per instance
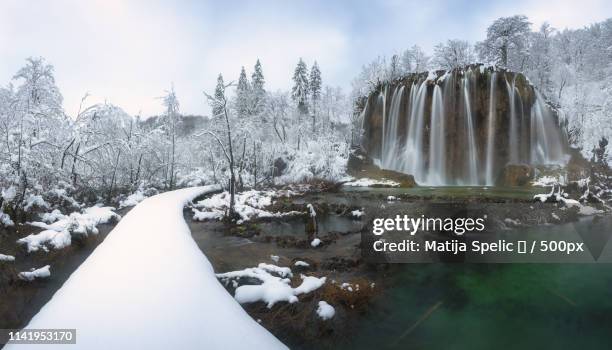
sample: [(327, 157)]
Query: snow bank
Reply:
[(148, 286), (132, 199), (325, 311), (248, 205), (559, 196), (365, 182), (357, 213), (6, 257), (43, 272), (58, 229), (56, 239), (275, 285), (5, 219), (315, 243)]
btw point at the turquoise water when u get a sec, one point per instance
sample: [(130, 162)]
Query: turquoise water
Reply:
[(519, 306)]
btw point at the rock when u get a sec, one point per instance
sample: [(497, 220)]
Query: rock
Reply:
[(518, 174), (362, 166)]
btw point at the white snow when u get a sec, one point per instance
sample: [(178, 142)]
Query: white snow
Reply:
[(52, 217), (301, 263), (325, 311), (58, 233), (547, 180), (248, 205), (357, 213), (43, 272), (311, 210), (391, 198), (366, 182), (57, 239), (35, 201), (5, 219), (4, 257), (274, 258), (133, 199), (315, 242), (309, 284), (148, 286), (275, 284)]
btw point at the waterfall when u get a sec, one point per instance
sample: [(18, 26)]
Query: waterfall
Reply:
[(472, 152), (414, 144), (514, 143), (546, 144), (390, 142), (437, 151), (447, 131), (491, 132)]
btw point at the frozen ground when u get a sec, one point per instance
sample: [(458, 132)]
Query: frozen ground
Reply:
[(148, 286)]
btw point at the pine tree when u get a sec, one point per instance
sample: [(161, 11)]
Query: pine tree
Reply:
[(259, 93), (301, 88), (218, 108), (315, 82), (243, 94), (315, 90)]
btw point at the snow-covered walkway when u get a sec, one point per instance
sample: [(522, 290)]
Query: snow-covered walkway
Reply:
[(148, 286)]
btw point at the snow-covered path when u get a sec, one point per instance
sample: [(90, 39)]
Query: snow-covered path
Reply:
[(148, 286)]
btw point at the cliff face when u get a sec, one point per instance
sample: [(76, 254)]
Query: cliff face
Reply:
[(461, 127)]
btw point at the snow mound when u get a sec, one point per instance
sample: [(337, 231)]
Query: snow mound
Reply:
[(58, 234), (315, 243), (6, 257), (248, 205), (301, 263), (5, 220), (132, 199), (43, 272), (357, 213), (275, 286), (149, 279), (56, 239), (366, 182), (325, 311)]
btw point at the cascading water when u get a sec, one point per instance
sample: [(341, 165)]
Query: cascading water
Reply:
[(390, 126), (546, 139), (489, 175), (472, 152), (413, 151), (514, 138), (437, 174), (454, 130)]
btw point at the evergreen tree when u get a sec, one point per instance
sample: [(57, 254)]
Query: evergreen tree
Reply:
[(301, 88), (315, 83), (243, 94), (259, 93), (217, 108), (315, 91)]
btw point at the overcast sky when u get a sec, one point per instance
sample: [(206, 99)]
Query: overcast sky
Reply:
[(129, 52)]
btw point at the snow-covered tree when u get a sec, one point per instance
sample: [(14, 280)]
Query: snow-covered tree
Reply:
[(171, 120), (259, 92), (243, 95), (301, 87), (315, 91), (218, 109), (453, 54), (506, 42), (420, 61)]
